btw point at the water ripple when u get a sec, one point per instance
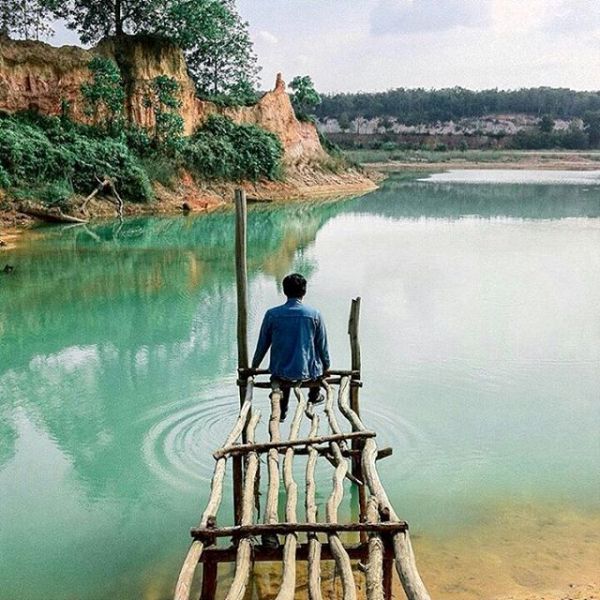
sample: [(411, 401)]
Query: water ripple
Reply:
[(179, 444)]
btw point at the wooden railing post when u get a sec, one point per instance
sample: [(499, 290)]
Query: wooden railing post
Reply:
[(241, 276), (357, 444)]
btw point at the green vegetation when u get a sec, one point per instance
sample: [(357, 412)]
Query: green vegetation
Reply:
[(104, 94), (217, 47), (414, 106), (225, 150), (30, 20), (46, 158), (304, 96), (50, 158), (163, 98)]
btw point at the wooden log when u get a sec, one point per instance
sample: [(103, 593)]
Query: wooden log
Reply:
[(331, 416), (288, 578), (273, 460), (326, 450), (413, 585), (241, 272), (306, 384), (243, 561), (314, 546), (280, 444), (262, 554), (353, 323), (236, 531), (186, 574), (339, 372), (342, 560), (209, 580), (375, 565)]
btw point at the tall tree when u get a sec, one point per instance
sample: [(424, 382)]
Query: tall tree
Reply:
[(95, 19), (26, 19), (216, 42), (304, 98)]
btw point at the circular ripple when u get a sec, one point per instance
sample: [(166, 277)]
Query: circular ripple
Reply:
[(179, 444)]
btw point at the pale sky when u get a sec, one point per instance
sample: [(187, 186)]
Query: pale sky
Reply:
[(372, 45)]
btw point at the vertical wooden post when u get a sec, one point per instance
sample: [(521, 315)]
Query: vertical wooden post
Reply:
[(353, 322), (388, 573), (241, 274), (241, 278), (209, 580)]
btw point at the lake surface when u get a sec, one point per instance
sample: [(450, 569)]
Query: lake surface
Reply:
[(481, 356)]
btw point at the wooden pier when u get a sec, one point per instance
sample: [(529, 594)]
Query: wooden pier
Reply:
[(336, 436)]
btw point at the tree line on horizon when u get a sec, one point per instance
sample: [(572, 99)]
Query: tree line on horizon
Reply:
[(426, 106)]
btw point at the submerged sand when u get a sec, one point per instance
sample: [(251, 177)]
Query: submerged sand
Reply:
[(520, 552)]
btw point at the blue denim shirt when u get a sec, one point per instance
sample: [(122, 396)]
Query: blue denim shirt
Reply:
[(298, 341)]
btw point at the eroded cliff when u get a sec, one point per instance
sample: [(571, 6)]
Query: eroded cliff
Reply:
[(40, 77)]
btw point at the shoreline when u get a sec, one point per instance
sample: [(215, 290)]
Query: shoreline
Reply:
[(205, 199), (485, 159)]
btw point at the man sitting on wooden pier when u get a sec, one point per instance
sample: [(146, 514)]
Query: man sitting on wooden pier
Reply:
[(298, 341)]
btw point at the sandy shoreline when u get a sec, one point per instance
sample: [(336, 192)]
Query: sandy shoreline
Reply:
[(551, 162)]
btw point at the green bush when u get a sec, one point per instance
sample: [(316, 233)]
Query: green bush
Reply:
[(220, 149), (4, 178), (56, 193), (36, 151)]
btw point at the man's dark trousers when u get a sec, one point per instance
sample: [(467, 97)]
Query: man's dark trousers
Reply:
[(285, 385)]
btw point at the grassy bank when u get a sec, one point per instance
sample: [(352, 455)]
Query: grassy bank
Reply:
[(473, 158)]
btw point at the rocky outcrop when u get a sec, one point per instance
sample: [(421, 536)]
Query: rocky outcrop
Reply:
[(37, 76)]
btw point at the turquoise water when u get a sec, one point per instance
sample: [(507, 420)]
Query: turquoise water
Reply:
[(481, 360)]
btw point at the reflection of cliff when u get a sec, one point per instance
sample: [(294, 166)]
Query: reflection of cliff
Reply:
[(100, 325)]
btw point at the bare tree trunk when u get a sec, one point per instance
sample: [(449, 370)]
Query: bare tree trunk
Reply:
[(118, 18)]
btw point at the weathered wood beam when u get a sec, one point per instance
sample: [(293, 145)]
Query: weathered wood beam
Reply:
[(287, 591), (262, 554), (314, 546), (244, 554), (385, 527), (279, 444), (374, 573)]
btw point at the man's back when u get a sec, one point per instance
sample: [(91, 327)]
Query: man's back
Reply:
[(298, 341)]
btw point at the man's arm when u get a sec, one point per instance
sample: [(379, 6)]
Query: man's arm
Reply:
[(321, 344), (264, 341)]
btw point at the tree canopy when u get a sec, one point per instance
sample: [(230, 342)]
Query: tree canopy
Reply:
[(212, 34), (27, 19), (304, 97), (95, 19), (216, 43), (414, 106)]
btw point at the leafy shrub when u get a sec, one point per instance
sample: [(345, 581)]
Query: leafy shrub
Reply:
[(221, 149), (162, 97), (56, 193), (104, 94), (4, 178), (40, 150)]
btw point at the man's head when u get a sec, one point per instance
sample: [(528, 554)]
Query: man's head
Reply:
[(294, 286)]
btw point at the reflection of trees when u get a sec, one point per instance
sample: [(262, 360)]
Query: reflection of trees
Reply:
[(399, 199), (100, 326)]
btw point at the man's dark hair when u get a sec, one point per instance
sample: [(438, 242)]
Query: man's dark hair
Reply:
[(294, 285)]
